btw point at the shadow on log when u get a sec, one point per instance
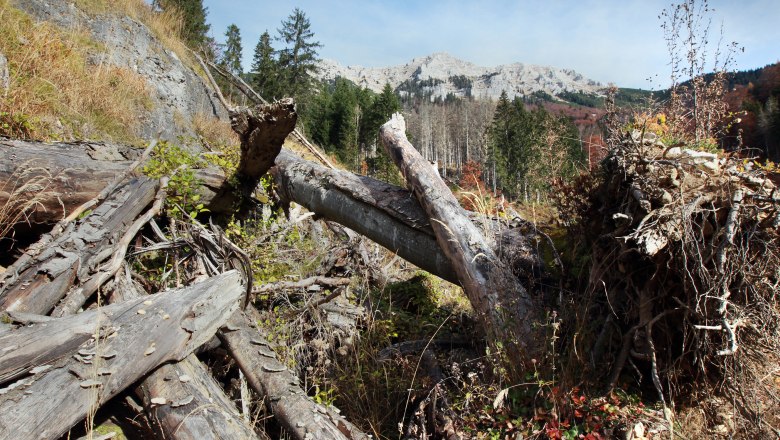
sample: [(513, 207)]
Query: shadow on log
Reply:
[(125, 341)]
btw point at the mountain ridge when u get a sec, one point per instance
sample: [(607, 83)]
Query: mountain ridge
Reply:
[(441, 74)]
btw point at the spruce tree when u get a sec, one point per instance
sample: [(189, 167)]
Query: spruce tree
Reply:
[(298, 60), (230, 60), (231, 57), (264, 71), (195, 28)]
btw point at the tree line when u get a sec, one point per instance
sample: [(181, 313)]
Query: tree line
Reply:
[(518, 146)]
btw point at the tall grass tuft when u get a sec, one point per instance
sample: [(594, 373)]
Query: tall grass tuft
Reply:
[(55, 92)]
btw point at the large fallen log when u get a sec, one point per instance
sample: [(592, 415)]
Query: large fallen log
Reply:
[(382, 212), (72, 172), (125, 341), (183, 398), (504, 308), (36, 282), (301, 417)]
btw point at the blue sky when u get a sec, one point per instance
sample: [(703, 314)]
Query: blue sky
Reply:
[(609, 41)]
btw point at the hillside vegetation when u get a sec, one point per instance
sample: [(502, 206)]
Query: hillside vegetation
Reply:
[(637, 236)]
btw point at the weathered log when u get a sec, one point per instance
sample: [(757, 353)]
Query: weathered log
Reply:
[(390, 216), (300, 416), (188, 403), (183, 398), (35, 283), (77, 171), (503, 307), (78, 295), (126, 341), (382, 212)]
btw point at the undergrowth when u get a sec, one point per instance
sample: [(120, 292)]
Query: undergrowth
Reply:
[(55, 91)]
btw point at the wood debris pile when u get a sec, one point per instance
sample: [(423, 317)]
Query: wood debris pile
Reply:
[(686, 268), (60, 364)]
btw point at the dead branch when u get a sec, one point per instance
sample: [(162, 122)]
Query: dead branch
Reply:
[(296, 412)]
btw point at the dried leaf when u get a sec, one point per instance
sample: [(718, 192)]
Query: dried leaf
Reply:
[(500, 398)]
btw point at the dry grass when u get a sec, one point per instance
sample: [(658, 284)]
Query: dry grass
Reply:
[(216, 133), (166, 25), (22, 194), (54, 91)]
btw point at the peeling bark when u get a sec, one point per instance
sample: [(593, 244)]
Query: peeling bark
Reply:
[(296, 412), (129, 344)]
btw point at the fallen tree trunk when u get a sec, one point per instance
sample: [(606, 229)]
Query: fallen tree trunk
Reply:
[(189, 404), (380, 211), (504, 308), (183, 398), (301, 417), (36, 282), (69, 173), (126, 341)]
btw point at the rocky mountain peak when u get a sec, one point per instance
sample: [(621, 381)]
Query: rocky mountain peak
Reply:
[(440, 74)]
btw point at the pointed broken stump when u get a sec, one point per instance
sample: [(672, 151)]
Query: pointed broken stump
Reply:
[(504, 308), (126, 341), (262, 131), (300, 416)]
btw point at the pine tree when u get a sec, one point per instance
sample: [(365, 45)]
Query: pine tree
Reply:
[(298, 61), (230, 60), (231, 57), (193, 13), (264, 71)]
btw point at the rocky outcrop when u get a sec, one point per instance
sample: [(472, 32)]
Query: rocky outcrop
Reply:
[(4, 75), (440, 74), (177, 93)]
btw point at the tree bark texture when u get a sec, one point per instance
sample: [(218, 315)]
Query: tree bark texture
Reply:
[(382, 212), (124, 342), (38, 280), (77, 172), (183, 398), (301, 417), (503, 306)]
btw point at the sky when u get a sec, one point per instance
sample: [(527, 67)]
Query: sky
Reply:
[(618, 42)]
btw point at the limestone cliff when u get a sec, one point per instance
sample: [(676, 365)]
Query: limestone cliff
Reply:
[(177, 93), (440, 74)]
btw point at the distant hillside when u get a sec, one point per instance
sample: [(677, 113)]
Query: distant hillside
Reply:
[(440, 74)]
